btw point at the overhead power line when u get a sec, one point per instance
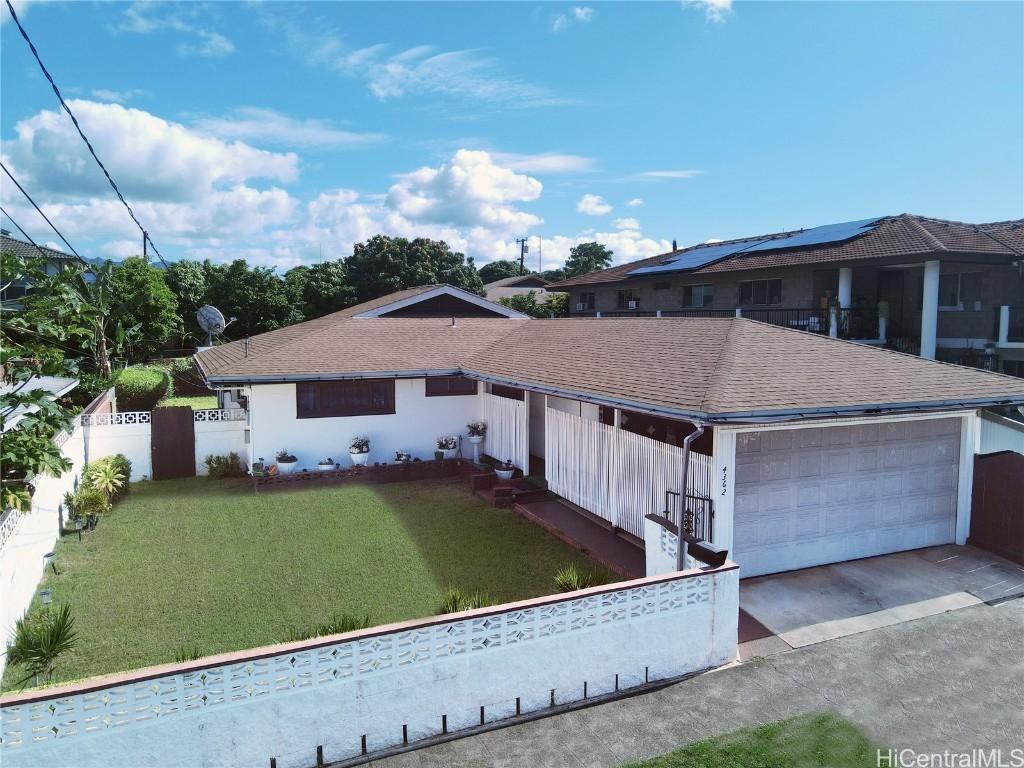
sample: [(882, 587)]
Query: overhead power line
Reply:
[(45, 217), (145, 235)]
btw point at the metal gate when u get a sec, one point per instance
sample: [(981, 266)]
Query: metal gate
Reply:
[(173, 443)]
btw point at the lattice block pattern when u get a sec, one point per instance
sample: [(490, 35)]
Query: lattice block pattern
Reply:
[(116, 419), (214, 414), (8, 525), (178, 695)]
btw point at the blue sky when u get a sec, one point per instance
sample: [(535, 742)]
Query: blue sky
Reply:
[(278, 132)]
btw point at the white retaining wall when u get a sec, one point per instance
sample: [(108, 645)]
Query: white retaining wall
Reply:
[(284, 701), (660, 549), (35, 533), (415, 426)]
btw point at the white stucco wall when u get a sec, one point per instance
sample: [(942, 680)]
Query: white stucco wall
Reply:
[(415, 426), (219, 438), (21, 559), (660, 549), (130, 439), (1000, 434), (284, 702)]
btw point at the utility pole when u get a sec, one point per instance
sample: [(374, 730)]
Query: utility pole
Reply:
[(145, 237), (523, 250)]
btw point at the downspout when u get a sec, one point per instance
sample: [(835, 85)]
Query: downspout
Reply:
[(681, 542)]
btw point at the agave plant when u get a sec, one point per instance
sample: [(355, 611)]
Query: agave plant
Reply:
[(40, 639), (456, 600)]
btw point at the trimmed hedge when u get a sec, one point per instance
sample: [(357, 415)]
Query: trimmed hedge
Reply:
[(140, 389)]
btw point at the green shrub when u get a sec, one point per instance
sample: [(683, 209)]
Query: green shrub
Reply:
[(140, 389), (339, 623), (186, 653), (571, 578), (219, 467), (90, 386), (102, 472), (86, 503), (456, 600)]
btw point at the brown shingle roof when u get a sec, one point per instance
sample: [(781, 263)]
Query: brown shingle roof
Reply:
[(900, 236), (701, 367)]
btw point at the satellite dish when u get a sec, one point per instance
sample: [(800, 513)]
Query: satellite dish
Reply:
[(212, 321)]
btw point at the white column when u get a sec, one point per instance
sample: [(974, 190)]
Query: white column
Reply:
[(724, 463), (845, 287), (833, 322), (1004, 324), (930, 309)]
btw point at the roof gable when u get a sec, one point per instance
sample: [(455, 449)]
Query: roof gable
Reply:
[(434, 301)]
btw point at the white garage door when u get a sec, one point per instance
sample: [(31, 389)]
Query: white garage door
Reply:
[(813, 496)]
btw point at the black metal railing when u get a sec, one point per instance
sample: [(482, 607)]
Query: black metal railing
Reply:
[(699, 518), (629, 313), (812, 320), (699, 313), (975, 358), (910, 345)]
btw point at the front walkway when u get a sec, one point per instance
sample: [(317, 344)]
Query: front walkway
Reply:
[(951, 681), (815, 604)]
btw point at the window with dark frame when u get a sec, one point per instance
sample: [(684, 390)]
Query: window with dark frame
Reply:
[(698, 295), (450, 386), (358, 397), (588, 300), (627, 297), (662, 285), (761, 292), (512, 393)]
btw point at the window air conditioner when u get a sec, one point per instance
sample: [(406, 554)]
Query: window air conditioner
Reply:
[(634, 304)]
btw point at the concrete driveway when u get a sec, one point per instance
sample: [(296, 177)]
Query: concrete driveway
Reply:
[(816, 604)]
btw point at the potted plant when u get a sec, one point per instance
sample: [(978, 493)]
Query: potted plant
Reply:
[(477, 432), (448, 445), (325, 465), (505, 469), (403, 457), (359, 451), (286, 462)]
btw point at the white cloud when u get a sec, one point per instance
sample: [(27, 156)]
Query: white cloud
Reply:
[(20, 7), (626, 224), (270, 126), (626, 245), (714, 10), (579, 14), (467, 190), (421, 70), (635, 202), (144, 18), (151, 158), (118, 97), (669, 174), (593, 205), (711, 240), (544, 162)]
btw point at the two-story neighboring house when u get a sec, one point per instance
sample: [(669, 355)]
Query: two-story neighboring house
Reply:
[(942, 289)]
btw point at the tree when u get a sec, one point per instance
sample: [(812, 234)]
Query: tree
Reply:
[(499, 270), (553, 275), (555, 305), (385, 264), (587, 257), (320, 289), (153, 306), (187, 282), (256, 297)]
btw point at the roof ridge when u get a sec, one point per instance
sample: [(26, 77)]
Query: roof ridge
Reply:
[(937, 244), (718, 367)]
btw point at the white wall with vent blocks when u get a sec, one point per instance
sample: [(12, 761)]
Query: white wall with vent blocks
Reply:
[(285, 702), (814, 495)]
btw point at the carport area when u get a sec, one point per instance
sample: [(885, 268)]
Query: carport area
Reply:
[(798, 608)]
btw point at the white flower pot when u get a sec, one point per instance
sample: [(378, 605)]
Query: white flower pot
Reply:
[(325, 467), (449, 453), (359, 459), (287, 467), (476, 439), (504, 474)]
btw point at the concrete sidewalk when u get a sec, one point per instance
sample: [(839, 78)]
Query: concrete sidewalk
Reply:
[(951, 681)]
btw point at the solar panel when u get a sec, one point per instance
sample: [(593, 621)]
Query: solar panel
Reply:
[(829, 233), (696, 257)]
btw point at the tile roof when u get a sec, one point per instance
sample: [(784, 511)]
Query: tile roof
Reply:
[(710, 368), (24, 249), (903, 236)]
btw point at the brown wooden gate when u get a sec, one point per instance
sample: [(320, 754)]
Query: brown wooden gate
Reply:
[(173, 443), (997, 504)]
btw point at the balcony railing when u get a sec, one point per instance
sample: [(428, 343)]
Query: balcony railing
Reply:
[(812, 320)]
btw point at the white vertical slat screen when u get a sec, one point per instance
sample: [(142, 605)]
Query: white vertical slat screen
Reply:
[(615, 474), (507, 436)]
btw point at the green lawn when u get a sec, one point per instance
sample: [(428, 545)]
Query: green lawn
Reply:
[(824, 740), (198, 402), (210, 564)]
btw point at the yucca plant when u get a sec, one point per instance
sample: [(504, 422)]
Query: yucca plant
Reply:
[(337, 624), (455, 600), (185, 653), (40, 639), (571, 578)]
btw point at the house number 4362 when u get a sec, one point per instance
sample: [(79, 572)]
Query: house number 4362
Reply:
[(725, 480)]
